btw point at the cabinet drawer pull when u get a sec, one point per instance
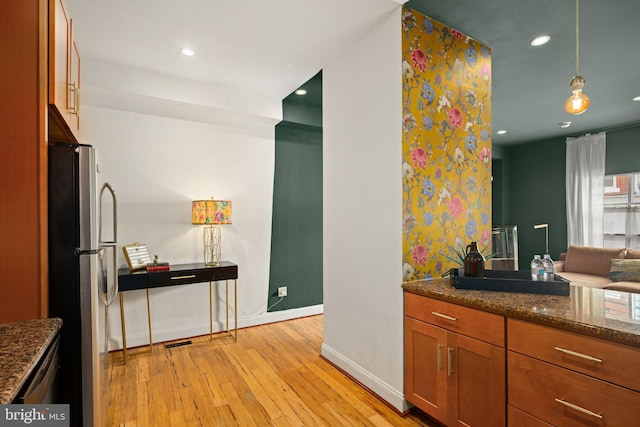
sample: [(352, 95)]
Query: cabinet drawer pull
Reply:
[(583, 356), (444, 316), (449, 368), (578, 408), (440, 347), (190, 276)]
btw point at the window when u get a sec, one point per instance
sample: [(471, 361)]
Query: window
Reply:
[(611, 184), (622, 306), (622, 211)]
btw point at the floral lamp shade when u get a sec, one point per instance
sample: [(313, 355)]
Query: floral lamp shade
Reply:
[(211, 212)]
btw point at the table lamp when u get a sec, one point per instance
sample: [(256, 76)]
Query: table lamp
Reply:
[(211, 213)]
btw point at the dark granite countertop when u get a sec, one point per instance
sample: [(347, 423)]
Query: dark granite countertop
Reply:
[(606, 314), (22, 344)]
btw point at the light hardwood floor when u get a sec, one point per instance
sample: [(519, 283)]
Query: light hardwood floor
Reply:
[(273, 376)]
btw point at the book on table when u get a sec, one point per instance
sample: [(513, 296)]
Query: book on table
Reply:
[(158, 266)]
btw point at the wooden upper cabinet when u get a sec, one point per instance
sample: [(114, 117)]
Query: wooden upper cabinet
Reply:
[(64, 75), (74, 85), (23, 164), (59, 32)]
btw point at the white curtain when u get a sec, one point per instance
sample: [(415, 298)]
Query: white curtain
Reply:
[(585, 190)]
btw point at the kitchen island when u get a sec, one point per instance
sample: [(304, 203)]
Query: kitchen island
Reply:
[(22, 345), (522, 359), (592, 311)]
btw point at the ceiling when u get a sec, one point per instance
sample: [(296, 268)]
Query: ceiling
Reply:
[(262, 47), (272, 47)]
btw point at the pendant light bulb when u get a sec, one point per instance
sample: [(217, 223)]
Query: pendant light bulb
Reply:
[(578, 102)]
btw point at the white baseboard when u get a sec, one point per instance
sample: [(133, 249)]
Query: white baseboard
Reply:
[(392, 396), (115, 343), (279, 316)]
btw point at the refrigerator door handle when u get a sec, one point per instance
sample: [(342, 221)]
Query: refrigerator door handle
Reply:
[(79, 251), (107, 186), (102, 273), (109, 297), (107, 294)]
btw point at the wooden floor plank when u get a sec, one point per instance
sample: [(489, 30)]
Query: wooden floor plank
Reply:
[(273, 376)]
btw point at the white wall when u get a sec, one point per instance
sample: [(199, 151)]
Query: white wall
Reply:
[(160, 154), (362, 96)]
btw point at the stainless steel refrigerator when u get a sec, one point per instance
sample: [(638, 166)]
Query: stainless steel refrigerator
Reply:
[(75, 284)]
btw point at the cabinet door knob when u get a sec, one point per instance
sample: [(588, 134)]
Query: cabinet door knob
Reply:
[(444, 316), (440, 347), (578, 408), (449, 364), (575, 353)]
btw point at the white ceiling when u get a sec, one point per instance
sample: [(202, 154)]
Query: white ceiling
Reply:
[(268, 47), (271, 47)]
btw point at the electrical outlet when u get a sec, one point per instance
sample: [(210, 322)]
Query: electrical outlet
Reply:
[(282, 291)]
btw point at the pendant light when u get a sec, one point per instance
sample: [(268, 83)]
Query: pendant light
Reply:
[(578, 102)]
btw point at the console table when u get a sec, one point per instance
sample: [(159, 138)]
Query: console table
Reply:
[(181, 274)]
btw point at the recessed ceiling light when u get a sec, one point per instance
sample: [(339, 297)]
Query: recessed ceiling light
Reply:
[(539, 41), (564, 124), (637, 98), (501, 132), (187, 52), (300, 92)]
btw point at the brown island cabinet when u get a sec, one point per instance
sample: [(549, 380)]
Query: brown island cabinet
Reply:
[(454, 361), (472, 361)]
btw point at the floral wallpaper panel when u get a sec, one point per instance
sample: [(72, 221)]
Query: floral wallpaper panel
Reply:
[(446, 145)]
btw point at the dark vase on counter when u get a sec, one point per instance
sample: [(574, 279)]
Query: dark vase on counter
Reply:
[(473, 261)]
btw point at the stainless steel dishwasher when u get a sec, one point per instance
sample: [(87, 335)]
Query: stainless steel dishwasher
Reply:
[(41, 386)]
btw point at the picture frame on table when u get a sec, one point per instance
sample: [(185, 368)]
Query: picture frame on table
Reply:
[(137, 256)]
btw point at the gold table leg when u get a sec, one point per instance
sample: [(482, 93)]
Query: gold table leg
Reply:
[(124, 332), (210, 311), (149, 320), (235, 309)]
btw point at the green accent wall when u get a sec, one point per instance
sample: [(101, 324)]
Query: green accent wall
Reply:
[(623, 150), (536, 179), (497, 181), (294, 112), (296, 233), (533, 186)]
